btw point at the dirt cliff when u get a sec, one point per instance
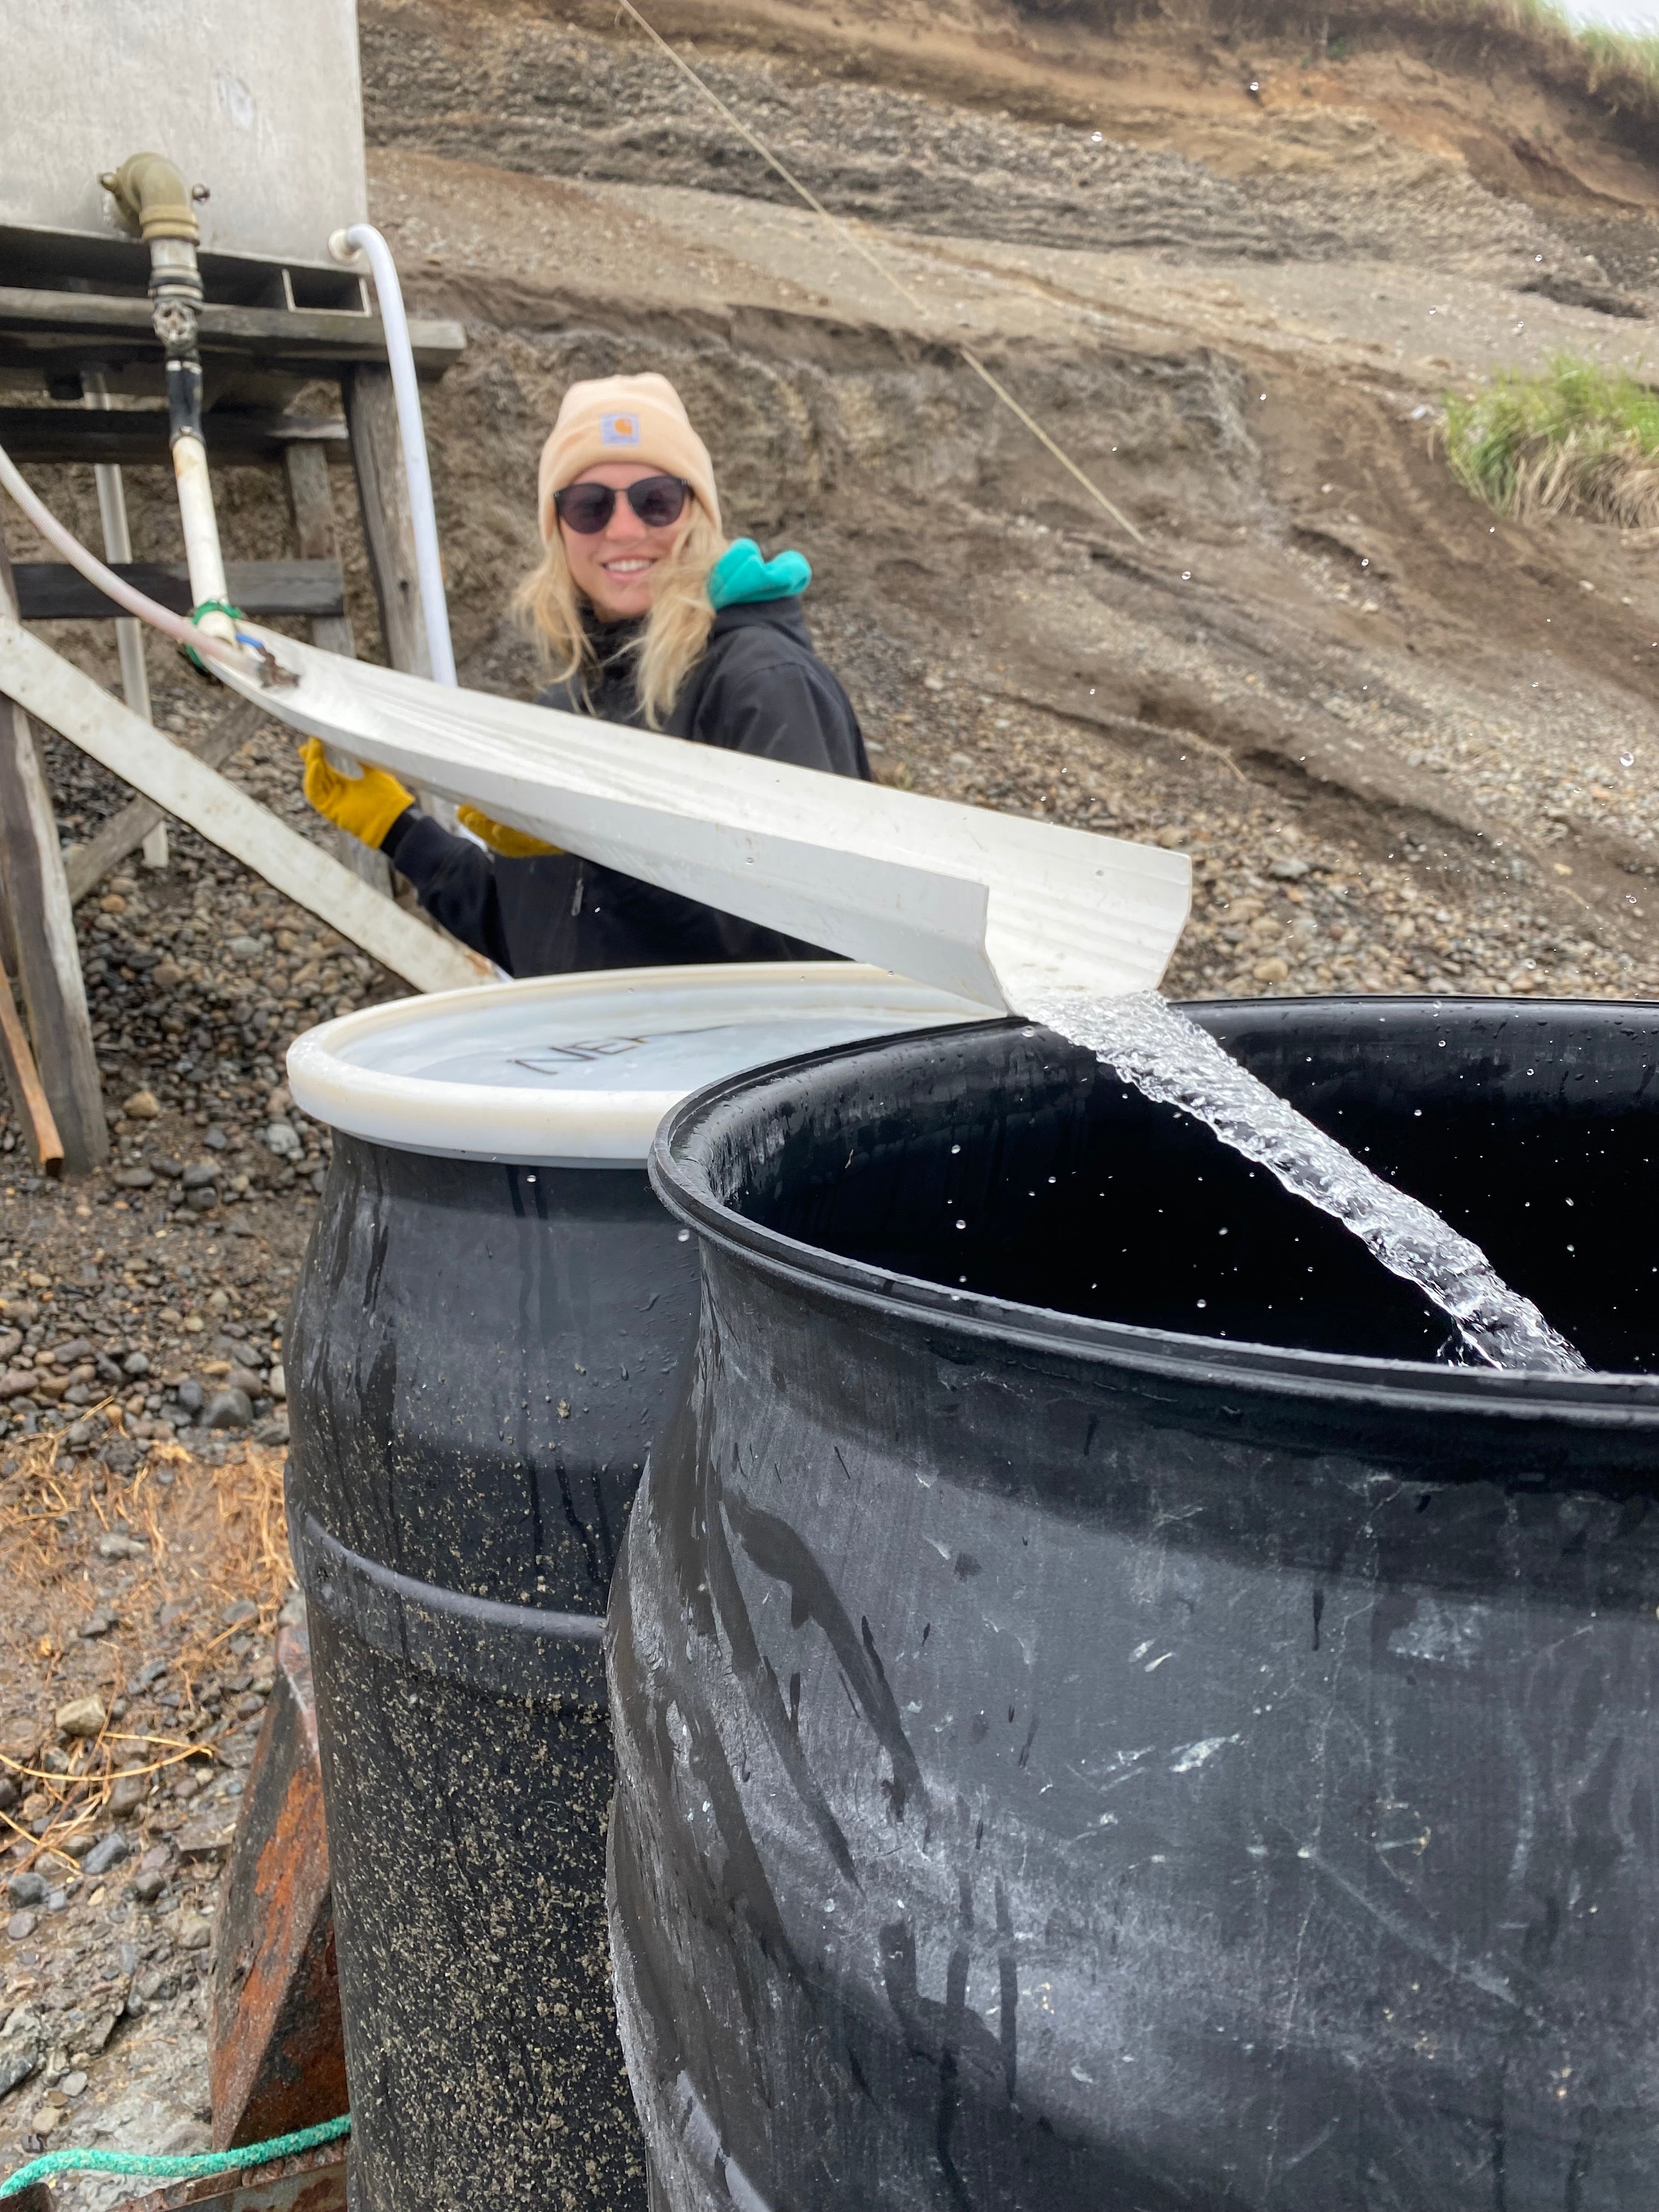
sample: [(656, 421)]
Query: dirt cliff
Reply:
[(1231, 275)]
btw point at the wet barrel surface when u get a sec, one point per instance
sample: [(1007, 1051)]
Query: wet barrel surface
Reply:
[(1076, 1748), (478, 1359)]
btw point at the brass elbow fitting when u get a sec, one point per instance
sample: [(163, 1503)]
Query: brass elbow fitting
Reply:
[(154, 197)]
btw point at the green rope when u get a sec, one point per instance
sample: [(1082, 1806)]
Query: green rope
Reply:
[(209, 607), (172, 2169)]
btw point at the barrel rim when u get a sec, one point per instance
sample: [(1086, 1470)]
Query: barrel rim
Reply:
[(495, 1124), (1600, 1399)]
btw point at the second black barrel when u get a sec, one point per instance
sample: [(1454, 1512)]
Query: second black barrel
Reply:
[(493, 1315)]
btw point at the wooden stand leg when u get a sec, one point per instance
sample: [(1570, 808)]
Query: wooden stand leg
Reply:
[(389, 532), (312, 503), (129, 634), (388, 526), (48, 958), (45, 1147)]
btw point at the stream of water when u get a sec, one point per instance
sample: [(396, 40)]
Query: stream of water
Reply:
[(1166, 1056)]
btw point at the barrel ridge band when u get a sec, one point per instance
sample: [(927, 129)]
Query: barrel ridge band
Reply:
[(513, 1650)]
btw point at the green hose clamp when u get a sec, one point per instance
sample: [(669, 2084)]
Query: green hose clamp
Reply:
[(209, 607)]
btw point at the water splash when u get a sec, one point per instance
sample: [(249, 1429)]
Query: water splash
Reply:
[(1168, 1058)]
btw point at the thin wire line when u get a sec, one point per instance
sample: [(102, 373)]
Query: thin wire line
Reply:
[(876, 262)]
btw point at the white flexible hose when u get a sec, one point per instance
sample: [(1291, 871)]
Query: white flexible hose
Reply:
[(344, 246), (177, 626)]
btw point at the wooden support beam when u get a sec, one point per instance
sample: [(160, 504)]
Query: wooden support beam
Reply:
[(69, 701), (27, 1092), (43, 930), (86, 865), (55, 329), (276, 2050), (311, 504), (50, 591), (129, 634), (389, 534), (137, 436), (388, 522)]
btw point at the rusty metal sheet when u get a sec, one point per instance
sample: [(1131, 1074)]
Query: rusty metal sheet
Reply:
[(277, 2057)]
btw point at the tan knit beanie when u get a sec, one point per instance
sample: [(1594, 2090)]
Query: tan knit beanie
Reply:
[(623, 418)]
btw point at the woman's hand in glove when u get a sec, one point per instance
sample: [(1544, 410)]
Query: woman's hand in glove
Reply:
[(511, 844), (367, 805)]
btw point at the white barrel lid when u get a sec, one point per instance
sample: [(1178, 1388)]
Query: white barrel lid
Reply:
[(578, 1070)]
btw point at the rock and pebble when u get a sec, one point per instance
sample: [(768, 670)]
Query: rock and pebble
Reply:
[(82, 1717)]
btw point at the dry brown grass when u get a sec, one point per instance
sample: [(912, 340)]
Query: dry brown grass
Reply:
[(216, 1537)]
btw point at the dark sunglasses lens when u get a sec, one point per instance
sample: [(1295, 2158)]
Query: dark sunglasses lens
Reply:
[(586, 507), (658, 502)]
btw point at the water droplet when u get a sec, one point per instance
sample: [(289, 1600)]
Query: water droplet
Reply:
[(1626, 760), (1202, 1303), (685, 1236), (962, 1224), (955, 1149)]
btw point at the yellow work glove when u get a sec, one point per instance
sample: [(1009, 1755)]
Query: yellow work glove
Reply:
[(367, 804), (511, 844)]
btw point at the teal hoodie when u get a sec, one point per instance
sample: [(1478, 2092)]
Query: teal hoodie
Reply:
[(740, 578)]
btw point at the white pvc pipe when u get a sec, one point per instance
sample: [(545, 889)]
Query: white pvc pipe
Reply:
[(203, 556), (344, 246)]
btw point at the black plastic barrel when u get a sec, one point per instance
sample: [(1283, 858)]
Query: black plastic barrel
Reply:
[(492, 1317), (1108, 1718), (478, 1358)]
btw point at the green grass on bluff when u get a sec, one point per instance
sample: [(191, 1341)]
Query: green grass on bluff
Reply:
[(1579, 438)]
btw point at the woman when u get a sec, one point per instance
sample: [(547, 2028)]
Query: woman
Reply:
[(650, 618)]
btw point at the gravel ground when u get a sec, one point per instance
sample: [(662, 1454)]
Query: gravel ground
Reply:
[(144, 1584), (142, 1427)]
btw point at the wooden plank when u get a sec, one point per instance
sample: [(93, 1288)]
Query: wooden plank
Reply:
[(388, 523), (275, 2047), (311, 504), (389, 535), (67, 701), (28, 1096), (43, 925), (50, 591), (86, 865), (49, 322), (137, 436), (129, 634)]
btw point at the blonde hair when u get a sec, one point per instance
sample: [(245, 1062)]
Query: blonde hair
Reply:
[(676, 630)]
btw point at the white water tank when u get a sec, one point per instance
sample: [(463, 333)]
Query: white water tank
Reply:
[(259, 100)]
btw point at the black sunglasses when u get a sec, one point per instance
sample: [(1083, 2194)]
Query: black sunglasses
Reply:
[(586, 507)]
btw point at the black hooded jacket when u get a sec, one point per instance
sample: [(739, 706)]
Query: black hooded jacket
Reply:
[(759, 688)]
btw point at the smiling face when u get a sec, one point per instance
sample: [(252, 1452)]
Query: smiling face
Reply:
[(616, 571)]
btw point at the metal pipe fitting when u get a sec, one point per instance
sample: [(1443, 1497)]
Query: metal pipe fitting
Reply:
[(154, 197)]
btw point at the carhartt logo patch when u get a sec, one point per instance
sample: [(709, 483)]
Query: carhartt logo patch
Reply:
[(619, 429)]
